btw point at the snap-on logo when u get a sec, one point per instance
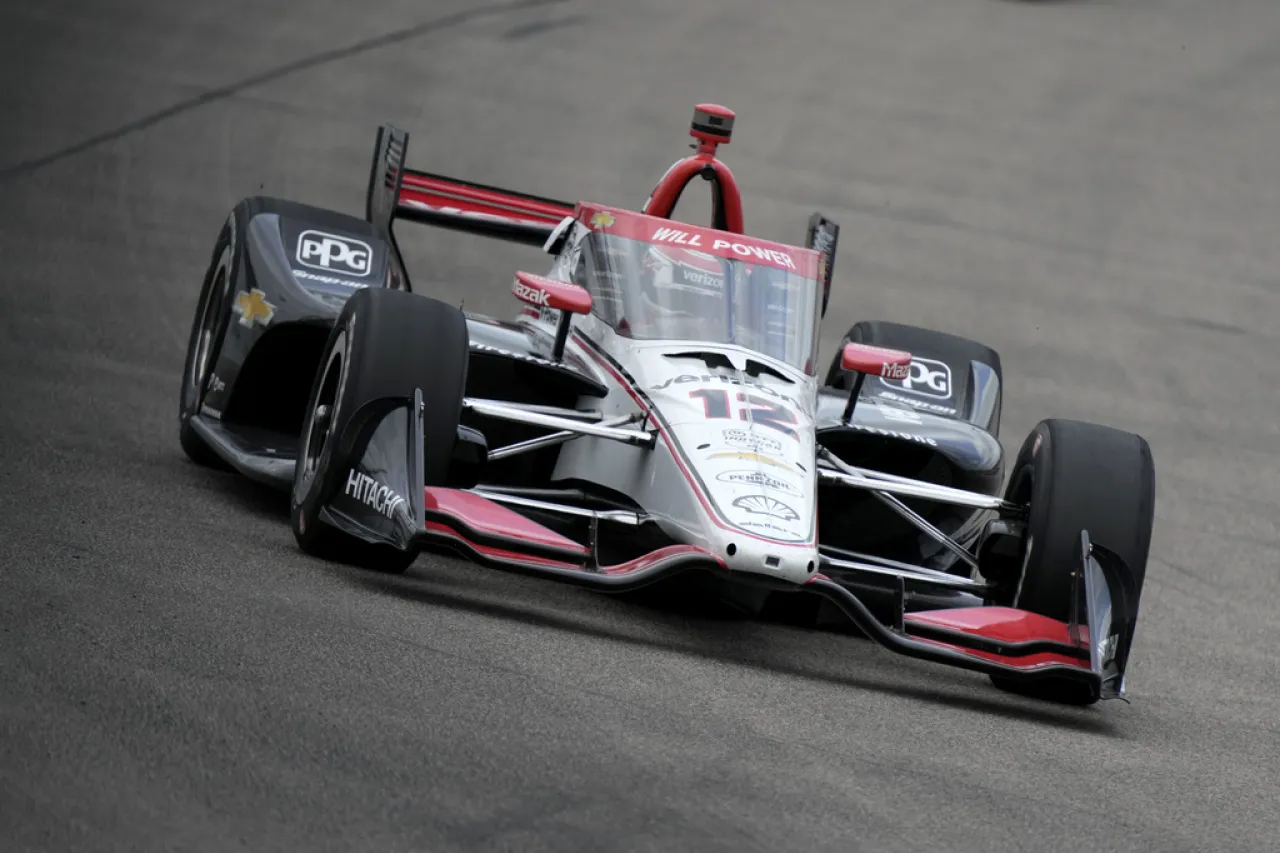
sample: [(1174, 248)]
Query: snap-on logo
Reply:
[(331, 253), (532, 295)]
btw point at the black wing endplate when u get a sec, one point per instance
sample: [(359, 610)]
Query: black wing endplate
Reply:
[(822, 238)]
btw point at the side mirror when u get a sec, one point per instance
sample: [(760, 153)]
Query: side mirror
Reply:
[(542, 292), (867, 360)]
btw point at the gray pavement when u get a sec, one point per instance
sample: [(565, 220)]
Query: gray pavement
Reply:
[(1090, 187)]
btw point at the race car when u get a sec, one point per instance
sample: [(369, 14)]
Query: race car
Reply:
[(655, 409)]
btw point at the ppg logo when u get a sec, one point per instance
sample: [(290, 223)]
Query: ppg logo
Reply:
[(332, 253), (928, 378)]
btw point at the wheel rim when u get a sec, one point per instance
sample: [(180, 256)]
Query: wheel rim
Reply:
[(208, 327), (320, 420)]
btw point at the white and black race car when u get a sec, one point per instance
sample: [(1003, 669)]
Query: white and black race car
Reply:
[(654, 409)]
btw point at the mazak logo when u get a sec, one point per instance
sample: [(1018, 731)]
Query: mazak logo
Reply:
[(927, 377), (532, 295), (331, 253)]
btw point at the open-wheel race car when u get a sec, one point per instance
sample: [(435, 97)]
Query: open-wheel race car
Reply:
[(657, 409)]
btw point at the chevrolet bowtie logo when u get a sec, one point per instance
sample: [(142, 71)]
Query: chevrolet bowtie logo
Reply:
[(602, 220), (253, 307)]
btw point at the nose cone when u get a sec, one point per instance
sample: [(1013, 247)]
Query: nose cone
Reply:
[(753, 461), (764, 503), (788, 561)]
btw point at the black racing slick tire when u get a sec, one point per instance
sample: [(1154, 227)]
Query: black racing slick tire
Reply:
[(208, 328), (929, 344), (385, 345), (1078, 476)]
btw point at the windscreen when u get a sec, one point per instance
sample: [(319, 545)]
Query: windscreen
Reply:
[(652, 291)]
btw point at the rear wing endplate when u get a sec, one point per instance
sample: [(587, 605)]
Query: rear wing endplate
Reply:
[(822, 237)]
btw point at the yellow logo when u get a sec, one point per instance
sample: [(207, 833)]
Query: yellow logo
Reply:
[(253, 307), (748, 456), (602, 219)]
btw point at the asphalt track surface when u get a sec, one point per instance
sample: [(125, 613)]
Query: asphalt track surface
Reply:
[(1090, 187)]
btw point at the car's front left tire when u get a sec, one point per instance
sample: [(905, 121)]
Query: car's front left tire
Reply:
[(208, 328), (385, 345)]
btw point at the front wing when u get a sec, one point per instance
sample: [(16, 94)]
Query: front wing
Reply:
[(1020, 648)]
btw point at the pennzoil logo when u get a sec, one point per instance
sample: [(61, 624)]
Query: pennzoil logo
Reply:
[(602, 219), (760, 480)]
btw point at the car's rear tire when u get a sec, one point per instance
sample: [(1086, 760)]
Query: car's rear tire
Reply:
[(930, 344), (384, 345), (213, 313), (1078, 476)]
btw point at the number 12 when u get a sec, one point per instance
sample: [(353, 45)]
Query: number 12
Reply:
[(715, 404)]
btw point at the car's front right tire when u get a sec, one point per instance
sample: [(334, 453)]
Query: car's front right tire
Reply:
[(1076, 476)]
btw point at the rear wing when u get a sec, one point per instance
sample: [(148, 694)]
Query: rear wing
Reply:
[(397, 192)]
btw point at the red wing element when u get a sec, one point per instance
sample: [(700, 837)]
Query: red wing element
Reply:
[(505, 539), (496, 528), (437, 200), (1003, 635), (999, 641), (656, 559), (542, 292), (876, 361)]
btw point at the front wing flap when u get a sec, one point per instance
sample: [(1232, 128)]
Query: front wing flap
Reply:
[(1021, 648), (383, 500)]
